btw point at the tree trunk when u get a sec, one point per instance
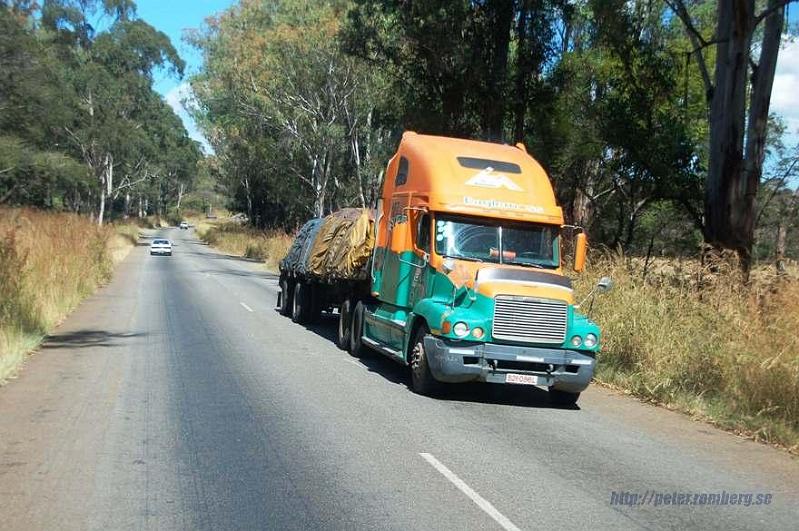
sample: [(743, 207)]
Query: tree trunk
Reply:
[(779, 252), (106, 185), (181, 189), (734, 170), (501, 17), (523, 64)]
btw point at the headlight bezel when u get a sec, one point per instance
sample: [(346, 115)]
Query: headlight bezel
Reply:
[(460, 329), (591, 340)]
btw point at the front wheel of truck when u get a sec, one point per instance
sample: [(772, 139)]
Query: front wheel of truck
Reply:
[(422, 380), (344, 325), (563, 398)]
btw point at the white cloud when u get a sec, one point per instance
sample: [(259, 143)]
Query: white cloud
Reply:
[(785, 94), (177, 98)]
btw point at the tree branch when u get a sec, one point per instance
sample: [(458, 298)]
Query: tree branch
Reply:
[(697, 41), (769, 10)]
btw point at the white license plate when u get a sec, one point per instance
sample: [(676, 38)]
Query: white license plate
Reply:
[(524, 379)]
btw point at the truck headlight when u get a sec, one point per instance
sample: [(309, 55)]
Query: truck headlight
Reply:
[(590, 340), (460, 329), (576, 341), (477, 333)]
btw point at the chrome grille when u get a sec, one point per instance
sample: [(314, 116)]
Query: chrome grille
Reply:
[(529, 320)]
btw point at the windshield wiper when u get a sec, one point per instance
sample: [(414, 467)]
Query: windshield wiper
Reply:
[(467, 258), (527, 264)]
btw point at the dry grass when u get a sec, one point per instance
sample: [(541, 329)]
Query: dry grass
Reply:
[(704, 343), (49, 262), (267, 246)]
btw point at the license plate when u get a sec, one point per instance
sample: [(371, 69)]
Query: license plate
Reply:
[(523, 379)]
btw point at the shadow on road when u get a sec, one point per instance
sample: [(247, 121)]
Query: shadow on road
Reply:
[(86, 339), (509, 395), (263, 275)]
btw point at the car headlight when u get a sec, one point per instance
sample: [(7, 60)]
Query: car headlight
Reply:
[(460, 329), (590, 340), (576, 341)]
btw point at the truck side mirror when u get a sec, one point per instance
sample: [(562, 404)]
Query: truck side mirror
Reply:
[(580, 251), (604, 285), (399, 238)]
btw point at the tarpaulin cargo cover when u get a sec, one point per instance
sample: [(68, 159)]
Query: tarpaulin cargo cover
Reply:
[(343, 245)]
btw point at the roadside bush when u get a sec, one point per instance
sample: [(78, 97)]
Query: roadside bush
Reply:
[(49, 262), (232, 238), (703, 342)]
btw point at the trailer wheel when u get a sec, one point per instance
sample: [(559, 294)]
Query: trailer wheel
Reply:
[(344, 324), (563, 398), (422, 380), (357, 348), (286, 297), (300, 303)]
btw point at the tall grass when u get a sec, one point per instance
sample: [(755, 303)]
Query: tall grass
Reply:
[(49, 262), (267, 246), (704, 343)]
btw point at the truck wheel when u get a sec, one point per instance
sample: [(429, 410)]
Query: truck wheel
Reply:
[(422, 380), (286, 297), (300, 303), (562, 398), (344, 324), (357, 348)]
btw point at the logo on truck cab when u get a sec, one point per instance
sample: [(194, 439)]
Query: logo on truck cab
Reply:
[(487, 178)]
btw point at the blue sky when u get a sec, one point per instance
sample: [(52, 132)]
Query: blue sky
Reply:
[(174, 16)]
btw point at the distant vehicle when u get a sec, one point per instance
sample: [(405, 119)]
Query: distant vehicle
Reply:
[(162, 247), (184, 224)]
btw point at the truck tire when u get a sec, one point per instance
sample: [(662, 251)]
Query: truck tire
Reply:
[(286, 297), (357, 348), (422, 380), (344, 324), (563, 398), (300, 303)]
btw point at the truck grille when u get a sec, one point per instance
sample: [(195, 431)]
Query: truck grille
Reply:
[(529, 320)]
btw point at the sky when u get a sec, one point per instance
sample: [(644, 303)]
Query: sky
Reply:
[(174, 16)]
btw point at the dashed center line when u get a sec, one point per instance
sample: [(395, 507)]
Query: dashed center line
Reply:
[(246, 307), (481, 502)]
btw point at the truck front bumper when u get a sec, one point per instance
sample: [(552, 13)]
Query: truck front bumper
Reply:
[(462, 361)]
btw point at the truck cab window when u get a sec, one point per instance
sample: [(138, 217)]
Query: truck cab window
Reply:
[(423, 233)]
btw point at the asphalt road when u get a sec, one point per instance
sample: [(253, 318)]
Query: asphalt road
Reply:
[(177, 398)]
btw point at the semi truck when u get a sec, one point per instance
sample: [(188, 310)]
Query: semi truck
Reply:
[(458, 273)]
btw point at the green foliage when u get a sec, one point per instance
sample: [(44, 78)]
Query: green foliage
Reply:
[(606, 94), (80, 125)]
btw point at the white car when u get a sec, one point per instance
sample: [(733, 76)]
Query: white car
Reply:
[(160, 246), (184, 224)]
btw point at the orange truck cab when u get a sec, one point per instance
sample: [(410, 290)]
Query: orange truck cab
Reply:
[(467, 280)]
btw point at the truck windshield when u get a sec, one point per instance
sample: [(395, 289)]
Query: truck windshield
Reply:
[(497, 241)]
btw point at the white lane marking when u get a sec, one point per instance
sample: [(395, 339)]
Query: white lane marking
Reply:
[(361, 365), (481, 502), (246, 307)]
